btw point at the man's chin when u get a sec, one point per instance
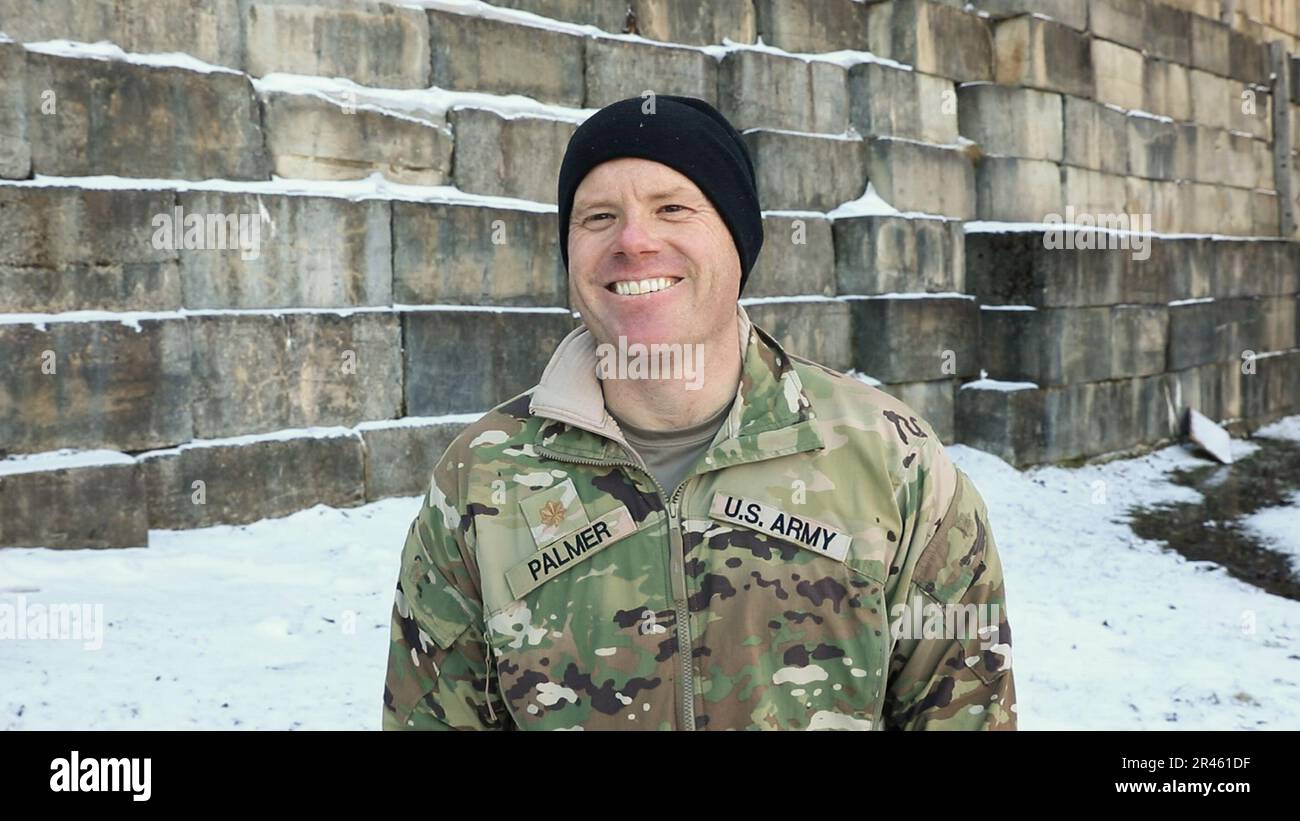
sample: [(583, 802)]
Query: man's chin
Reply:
[(628, 340), (644, 327)]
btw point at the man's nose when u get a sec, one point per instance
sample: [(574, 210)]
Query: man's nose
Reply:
[(637, 235)]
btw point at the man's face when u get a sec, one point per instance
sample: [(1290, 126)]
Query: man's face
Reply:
[(636, 227)]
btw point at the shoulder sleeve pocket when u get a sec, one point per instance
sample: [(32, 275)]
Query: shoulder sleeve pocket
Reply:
[(437, 606)]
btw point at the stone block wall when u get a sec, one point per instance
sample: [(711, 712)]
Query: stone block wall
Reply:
[(257, 255)]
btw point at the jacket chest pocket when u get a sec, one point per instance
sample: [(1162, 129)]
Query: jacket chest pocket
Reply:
[(579, 625), (792, 637)]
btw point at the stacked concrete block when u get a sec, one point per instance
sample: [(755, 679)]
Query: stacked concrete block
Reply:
[(818, 329), (1020, 133), (465, 361), (1265, 216), (1268, 392), (400, 455), (1247, 58), (515, 157), (1174, 208), (616, 70), (933, 38), (1184, 323), (1227, 158), (1012, 122), (1255, 267), (95, 385), (1251, 111), (1005, 421), (238, 481), (1094, 136), (1118, 75), (89, 117), (1026, 425), (923, 178), (34, 509), (1209, 45), (1063, 267), (761, 90), (919, 337), (877, 255), (257, 373), (1168, 90), (1042, 54), (276, 251), (1161, 150), (1188, 265), (1222, 209), (1071, 13), (1229, 329), (690, 22), (791, 169), (1168, 33), (1214, 98), (798, 257), (475, 255), (1119, 21), (73, 249), (888, 101), (1265, 172), (1140, 198), (918, 346), (1093, 192), (498, 57), (1010, 189), (1064, 336), (312, 137), (380, 45), (209, 31), (15, 145), (813, 25), (1057, 346)]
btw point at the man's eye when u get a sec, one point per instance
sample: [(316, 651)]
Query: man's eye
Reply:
[(591, 217), (674, 205)]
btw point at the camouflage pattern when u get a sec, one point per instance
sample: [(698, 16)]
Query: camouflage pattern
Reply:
[(689, 622)]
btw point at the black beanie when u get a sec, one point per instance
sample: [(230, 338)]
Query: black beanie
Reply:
[(685, 134)]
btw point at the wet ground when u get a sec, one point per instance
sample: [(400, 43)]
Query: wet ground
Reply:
[(1212, 529)]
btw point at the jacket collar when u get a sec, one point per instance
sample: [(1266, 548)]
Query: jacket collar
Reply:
[(770, 415)]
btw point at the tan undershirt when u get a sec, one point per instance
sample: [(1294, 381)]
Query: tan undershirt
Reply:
[(670, 454)]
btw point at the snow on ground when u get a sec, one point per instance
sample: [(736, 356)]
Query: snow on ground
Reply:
[(284, 623), (1279, 528), (1115, 632), (275, 625)]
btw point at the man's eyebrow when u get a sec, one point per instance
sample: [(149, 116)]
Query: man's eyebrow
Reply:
[(667, 193)]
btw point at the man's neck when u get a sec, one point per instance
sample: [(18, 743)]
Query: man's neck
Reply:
[(668, 403)]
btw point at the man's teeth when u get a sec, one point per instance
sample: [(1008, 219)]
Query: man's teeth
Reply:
[(643, 286)]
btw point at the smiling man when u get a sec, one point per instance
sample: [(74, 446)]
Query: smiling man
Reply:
[(767, 545)]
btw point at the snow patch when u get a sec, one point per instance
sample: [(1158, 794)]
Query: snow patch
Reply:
[(104, 50), (998, 385), (66, 459), (373, 187)]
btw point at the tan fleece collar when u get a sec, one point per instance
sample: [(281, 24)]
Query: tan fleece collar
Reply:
[(570, 392)]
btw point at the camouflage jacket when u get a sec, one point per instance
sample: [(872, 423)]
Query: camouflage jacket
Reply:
[(549, 583)]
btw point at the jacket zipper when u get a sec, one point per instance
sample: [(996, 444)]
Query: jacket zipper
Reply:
[(677, 570), (677, 566)]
